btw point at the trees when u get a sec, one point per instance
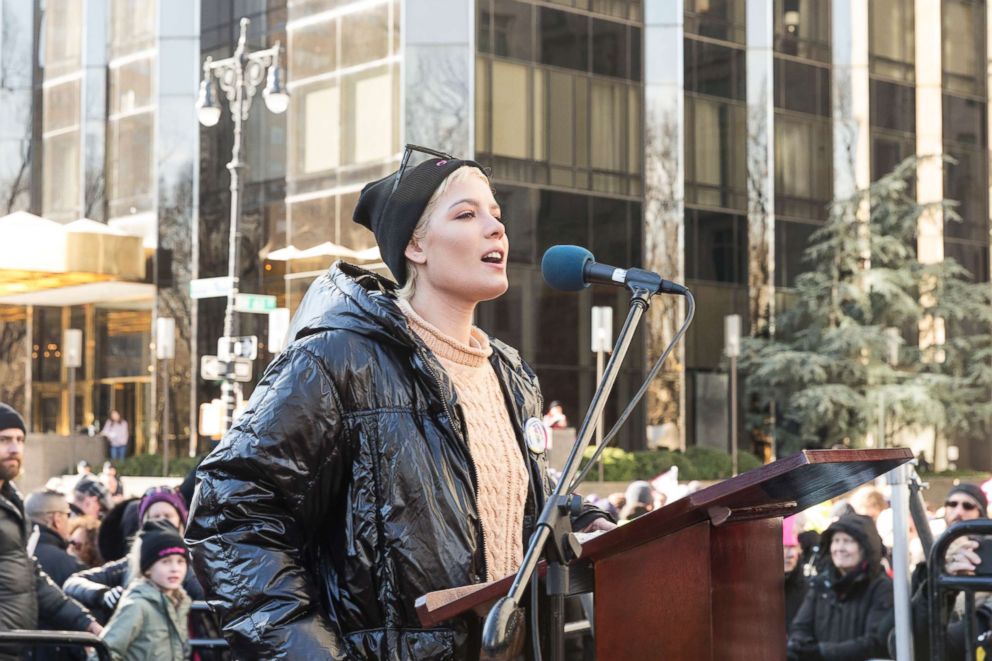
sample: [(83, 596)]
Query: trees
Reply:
[(847, 344)]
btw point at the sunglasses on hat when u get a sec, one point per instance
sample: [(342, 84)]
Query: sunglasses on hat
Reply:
[(406, 159), (967, 506)]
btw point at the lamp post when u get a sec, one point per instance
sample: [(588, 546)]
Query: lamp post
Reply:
[(239, 76)]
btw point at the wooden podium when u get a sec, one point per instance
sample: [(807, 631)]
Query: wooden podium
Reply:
[(702, 577)]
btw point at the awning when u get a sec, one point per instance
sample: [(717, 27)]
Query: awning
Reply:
[(326, 249), (40, 255)]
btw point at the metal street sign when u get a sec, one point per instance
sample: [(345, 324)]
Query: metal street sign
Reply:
[(602, 328), (213, 368), (245, 346), (262, 303), (72, 347), (278, 329), (210, 287)]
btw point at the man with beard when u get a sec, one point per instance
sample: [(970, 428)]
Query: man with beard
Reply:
[(26, 592)]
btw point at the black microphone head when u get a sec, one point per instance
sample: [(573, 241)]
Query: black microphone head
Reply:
[(563, 267)]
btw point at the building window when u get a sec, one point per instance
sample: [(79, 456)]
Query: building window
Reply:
[(131, 164), (964, 120), (791, 241), (802, 87), (892, 41), (716, 171), (63, 37), (564, 39), (963, 39), (715, 70), (802, 29), (803, 157), (715, 246), (966, 183), (974, 257), (513, 29), (717, 19), (888, 151), (132, 25), (893, 106)]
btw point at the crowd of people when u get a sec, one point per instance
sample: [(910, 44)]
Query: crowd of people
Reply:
[(95, 561), (838, 585)]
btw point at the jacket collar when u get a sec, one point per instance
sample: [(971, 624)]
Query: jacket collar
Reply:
[(10, 500), (48, 536)]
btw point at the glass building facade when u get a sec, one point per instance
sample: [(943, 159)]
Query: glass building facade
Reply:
[(701, 138)]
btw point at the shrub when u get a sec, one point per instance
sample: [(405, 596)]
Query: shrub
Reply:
[(151, 465), (697, 463)]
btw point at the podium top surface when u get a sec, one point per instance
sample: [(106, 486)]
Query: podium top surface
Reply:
[(778, 489), (781, 488)]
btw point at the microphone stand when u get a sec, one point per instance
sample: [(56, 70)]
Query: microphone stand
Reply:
[(503, 631)]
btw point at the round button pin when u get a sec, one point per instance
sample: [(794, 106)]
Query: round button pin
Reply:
[(536, 435)]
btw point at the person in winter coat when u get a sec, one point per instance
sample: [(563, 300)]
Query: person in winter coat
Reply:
[(151, 621), (796, 583), (49, 511), (101, 588), (26, 592), (842, 617), (391, 450)]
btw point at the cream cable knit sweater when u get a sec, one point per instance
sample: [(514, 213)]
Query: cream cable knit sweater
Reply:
[(501, 472)]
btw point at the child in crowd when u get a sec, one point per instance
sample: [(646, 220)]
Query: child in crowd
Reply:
[(151, 619)]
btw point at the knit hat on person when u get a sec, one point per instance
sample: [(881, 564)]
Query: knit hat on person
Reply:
[(974, 492), (160, 543), (392, 216), (790, 535), (163, 495), (11, 419)]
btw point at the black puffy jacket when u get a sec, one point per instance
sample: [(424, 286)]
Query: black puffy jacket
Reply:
[(26, 592), (346, 489), (845, 616)]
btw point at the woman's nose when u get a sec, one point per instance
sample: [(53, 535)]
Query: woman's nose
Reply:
[(495, 227)]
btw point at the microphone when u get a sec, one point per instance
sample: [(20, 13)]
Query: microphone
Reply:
[(573, 268)]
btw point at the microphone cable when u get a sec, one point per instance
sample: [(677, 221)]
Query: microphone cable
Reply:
[(689, 314)]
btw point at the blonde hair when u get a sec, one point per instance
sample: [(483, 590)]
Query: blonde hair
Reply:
[(409, 287)]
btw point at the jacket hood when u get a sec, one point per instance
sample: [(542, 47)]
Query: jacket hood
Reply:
[(351, 298), (348, 297), (863, 530)]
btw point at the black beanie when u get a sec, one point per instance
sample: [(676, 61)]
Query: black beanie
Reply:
[(160, 543), (11, 419), (392, 217), (975, 492)]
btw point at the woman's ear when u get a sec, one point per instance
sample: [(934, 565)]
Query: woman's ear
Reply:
[(415, 252)]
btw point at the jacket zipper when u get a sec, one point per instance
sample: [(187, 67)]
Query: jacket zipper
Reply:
[(471, 463)]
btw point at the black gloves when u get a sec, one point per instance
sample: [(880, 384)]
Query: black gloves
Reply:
[(804, 650)]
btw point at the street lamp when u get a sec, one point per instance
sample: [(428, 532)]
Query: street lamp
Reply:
[(239, 76)]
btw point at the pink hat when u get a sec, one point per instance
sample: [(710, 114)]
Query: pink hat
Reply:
[(790, 537)]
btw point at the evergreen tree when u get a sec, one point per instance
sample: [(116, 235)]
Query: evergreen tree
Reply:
[(846, 343)]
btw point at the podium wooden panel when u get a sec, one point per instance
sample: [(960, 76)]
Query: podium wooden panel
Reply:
[(702, 577)]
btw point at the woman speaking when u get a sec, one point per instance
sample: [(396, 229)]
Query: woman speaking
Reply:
[(392, 449)]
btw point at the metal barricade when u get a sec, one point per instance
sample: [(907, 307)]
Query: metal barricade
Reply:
[(35, 638), (215, 644), (30, 637), (938, 583)]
